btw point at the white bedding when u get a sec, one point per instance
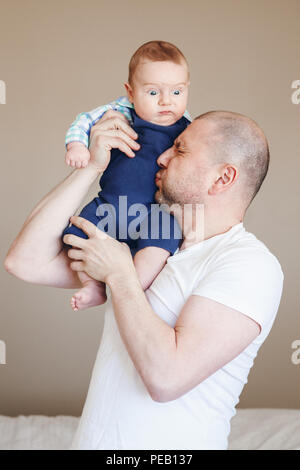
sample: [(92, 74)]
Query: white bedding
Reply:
[(250, 429)]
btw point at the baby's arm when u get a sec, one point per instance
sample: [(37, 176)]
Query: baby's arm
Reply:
[(148, 262), (77, 141), (77, 137)]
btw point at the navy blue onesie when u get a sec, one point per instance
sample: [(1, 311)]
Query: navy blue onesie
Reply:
[(133, 179)]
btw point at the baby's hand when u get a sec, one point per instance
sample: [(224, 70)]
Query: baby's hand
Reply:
[(77, 155)]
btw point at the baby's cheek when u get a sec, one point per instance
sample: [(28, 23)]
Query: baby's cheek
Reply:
[(146, 111), (183, 105)]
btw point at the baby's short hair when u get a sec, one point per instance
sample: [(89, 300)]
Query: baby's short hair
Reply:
[(156, 51)]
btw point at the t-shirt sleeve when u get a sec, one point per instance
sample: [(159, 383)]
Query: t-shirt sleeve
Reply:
[(248, 280)]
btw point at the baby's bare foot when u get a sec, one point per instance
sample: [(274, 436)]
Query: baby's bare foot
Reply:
[(90, 295)]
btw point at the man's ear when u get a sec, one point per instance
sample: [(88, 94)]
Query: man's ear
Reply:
[(227, 176), (129, 92)]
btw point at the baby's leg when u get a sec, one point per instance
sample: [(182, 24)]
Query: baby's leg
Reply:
[(148, 263), (91, 294)]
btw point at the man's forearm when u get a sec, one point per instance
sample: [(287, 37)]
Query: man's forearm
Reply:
[(150, 342), (39, 240)]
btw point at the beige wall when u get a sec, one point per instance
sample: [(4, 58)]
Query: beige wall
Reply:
[(59, 58)]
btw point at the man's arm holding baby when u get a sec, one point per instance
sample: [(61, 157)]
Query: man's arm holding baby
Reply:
[(37, 254), (171, 361)]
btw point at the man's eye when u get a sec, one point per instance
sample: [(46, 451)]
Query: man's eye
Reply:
[(152, 92), (179, 149), (177, 92)]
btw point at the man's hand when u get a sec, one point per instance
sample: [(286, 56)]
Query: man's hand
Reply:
[(111, 131), (100, 256)]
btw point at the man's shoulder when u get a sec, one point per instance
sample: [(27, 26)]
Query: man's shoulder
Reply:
[(249, 252), (242, 273)]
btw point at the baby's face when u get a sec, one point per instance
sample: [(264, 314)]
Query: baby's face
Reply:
[(159, 91)]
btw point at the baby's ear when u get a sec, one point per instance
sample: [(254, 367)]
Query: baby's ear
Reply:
[(129, 92)]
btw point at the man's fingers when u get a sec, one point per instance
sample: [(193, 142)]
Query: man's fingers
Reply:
[(75, 254), (73, 240), (112, 113), (87, 227), (77, 266), (115, 122), (122, 136), (125, 149), (117, 143), (124, 126)]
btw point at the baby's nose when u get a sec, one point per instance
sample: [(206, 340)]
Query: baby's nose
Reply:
[(165, 98)]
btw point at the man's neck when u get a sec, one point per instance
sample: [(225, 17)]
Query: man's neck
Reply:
[(206, 226)]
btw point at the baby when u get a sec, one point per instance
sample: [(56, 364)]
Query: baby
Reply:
[(157, 92)]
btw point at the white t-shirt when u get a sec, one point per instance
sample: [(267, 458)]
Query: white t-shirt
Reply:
[(233, 268)]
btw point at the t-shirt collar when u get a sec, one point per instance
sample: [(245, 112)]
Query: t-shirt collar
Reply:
[(204, 243)]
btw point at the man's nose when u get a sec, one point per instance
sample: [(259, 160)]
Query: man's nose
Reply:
[(164, 159), (164, 98)]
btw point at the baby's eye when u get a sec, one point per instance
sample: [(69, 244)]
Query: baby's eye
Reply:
[(177, 92), (152, 92)]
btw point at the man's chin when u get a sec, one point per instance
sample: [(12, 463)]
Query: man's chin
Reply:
[(158, 196), (160, 199)]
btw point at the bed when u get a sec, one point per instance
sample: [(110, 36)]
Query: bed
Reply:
[(262, 429)]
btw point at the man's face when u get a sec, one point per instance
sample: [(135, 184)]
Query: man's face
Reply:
[(187, 169)]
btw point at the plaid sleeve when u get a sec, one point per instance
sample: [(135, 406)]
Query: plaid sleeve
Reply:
[(188, 116), (79, 131)]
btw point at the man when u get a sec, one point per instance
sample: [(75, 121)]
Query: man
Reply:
[(172, 361)]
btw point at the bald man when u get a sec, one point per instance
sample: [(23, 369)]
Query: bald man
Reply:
[(173, 360)]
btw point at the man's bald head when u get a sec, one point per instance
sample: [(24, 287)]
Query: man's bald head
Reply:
[(237, 139)]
